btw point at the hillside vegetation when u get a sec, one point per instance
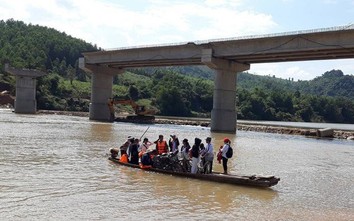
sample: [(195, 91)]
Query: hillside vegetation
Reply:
[(174, 91)]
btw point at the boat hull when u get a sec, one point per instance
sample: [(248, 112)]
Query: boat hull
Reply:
[(256, 181)]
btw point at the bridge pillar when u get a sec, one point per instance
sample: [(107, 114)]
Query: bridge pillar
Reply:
[(224, 115), (25, 101), (101, 90)]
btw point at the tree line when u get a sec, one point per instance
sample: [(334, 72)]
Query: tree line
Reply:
[(174, 91), (36, 47), (181, 95)]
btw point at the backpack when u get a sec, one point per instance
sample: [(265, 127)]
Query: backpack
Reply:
[(229, 152)]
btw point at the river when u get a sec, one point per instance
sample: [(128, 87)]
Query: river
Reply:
[(55, 167)]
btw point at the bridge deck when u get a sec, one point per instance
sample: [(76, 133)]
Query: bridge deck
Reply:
[(325, 44)]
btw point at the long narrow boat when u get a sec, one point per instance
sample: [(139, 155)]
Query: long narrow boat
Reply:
[(257, 181)]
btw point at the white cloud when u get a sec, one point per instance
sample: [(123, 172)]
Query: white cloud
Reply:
[(330, 2), (305, 70), (215, 3), (112, 24)]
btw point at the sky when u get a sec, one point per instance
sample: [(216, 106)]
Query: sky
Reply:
[(125, 23)]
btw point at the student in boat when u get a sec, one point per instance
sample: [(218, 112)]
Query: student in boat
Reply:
[(195, 155), (183, 150), (133, 152), (173, 143), (208, 154), (131, 142), (143, 151), (145, 145), (201, 162), (183, 155), (124, 150), (161, 145), (125, 146), (145, 157), (114, 152), (223, 151)]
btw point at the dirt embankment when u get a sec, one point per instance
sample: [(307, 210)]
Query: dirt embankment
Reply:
[(341, 134)]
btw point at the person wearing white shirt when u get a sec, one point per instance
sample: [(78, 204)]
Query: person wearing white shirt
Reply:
[(224, 150), (145, 145), (209, 154)]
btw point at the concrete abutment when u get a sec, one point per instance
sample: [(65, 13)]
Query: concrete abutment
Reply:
[(25, 101)]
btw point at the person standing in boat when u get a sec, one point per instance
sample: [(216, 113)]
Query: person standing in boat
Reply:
[(223, 151), (133, 152), (145, 145), (161, 145), (144, 156), (125, 146), (173, 143), (183, 155), (209, 154), (195, 155)]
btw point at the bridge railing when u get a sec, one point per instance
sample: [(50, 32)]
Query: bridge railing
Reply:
[(199, 42)]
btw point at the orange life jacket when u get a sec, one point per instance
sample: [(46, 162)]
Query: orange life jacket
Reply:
[(161, 147), (124, 158)]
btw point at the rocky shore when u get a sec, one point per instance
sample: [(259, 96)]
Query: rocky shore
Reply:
[(68, 113), (340, 134)]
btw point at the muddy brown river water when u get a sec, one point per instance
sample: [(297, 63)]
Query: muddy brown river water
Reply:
[(55, 167)]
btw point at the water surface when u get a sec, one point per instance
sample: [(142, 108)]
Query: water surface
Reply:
[(55, 168)]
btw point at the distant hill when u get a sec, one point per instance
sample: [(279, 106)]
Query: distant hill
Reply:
[(33, 46), (174, 91), (332, 83), (193, 71)]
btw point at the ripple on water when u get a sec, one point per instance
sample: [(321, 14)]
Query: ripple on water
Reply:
[(56, 167)]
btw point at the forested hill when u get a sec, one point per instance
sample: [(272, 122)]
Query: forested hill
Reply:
[(34, 46), (174, 91), (332, 83)]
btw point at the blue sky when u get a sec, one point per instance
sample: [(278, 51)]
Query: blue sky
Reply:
[(115, 24)]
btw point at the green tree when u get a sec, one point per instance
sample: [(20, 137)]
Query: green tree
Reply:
[(71, 73), (171, 102), (133, 92)]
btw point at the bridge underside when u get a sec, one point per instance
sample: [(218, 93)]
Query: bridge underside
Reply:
[(227, 57)]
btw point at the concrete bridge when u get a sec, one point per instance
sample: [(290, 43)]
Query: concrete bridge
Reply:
[(226, 56), (25, 101)]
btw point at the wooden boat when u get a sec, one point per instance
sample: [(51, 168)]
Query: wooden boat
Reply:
[(256, 181)]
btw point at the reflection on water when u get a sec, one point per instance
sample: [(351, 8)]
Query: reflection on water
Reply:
[(55, 167)]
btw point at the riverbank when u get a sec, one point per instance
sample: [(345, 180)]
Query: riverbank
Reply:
[(204, 122)]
